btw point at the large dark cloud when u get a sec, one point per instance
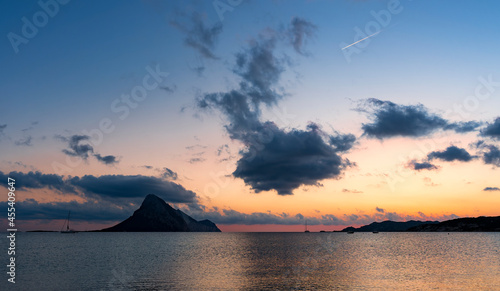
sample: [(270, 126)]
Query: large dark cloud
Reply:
[(492, 129), (199, 36), (289, 160), (79, 146), (105, 187), (274, 158), (133, 186), (108, 198), (391, 120), (451, 153)]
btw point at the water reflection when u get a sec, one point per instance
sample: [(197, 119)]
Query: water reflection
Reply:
[(255, 261)]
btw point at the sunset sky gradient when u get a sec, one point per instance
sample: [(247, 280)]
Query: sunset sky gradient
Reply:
[(251, 114)]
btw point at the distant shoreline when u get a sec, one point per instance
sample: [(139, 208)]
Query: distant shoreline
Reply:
[(467, 224)]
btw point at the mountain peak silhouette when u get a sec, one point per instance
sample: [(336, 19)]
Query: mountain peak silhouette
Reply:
[(155, 215)]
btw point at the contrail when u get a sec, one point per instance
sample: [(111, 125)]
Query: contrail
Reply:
[(361, 39)]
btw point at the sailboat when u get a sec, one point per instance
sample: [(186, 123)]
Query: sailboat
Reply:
[(66, 223), (306, 227)]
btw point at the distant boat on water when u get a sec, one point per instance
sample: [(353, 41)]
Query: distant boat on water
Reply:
[(306, 227), (350, 232), (66, 223)]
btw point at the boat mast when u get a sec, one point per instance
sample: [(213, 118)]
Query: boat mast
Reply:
[(67, 225)]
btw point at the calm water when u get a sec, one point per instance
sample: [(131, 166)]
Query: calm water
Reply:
[(255, 261)]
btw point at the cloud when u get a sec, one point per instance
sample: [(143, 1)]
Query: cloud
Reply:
[(274, 158), (2, 128), (103, 187), (198, 36), (223, 149), (75, 148), (25, 141), (37, 180), (98, 210), (413, 164), (491, 153), (492, 129), (169, 89), (109, 212), (492, 156), (121, 186), (390, 120), (91, 211), (196, 160), (79, 147), (289, 159), (169, 174), (351, 191), (230, 216), (451, 153), (491, 189), (464, 127), (428, 182), (260, 69), (32, 126), (194, 147), (108, 160), (299, 32), (342, 142)]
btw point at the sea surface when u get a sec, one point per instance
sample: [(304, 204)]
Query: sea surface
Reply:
[(255, 261)]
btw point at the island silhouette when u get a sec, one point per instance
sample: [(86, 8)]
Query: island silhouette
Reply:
[(155, 215), (467, 224)]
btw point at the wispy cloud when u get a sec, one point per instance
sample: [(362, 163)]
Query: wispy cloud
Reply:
[(199, 36), (79, 146), (25, 141), (491, 189)]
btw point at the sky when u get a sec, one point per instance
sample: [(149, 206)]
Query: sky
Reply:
[(257, 115)]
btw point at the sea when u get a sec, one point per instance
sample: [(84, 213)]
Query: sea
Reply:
[(254, 261)]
